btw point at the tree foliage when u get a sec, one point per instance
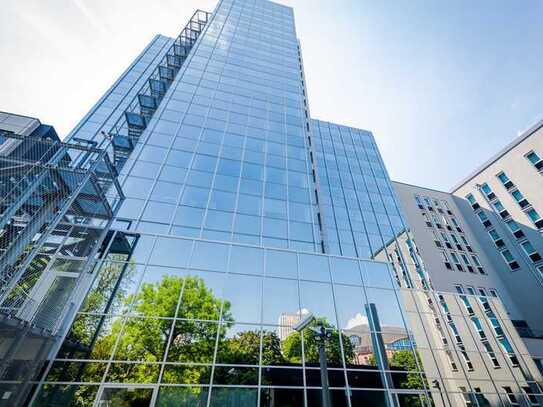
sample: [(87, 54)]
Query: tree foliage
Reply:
[(202, 321), (141, 338), (406, 360)]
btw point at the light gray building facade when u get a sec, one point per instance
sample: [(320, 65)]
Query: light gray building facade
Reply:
[(485, 235)]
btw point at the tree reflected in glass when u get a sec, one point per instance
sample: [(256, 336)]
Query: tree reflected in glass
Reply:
[(179, 319)]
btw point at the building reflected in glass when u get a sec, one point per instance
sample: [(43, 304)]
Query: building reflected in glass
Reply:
[(241, 215)]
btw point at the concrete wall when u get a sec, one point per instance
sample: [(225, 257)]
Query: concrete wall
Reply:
[(443, 278)]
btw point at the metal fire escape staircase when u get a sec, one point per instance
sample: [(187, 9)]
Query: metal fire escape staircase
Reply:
[(44, 183), (46, 187), (126, 132), (57, 204)]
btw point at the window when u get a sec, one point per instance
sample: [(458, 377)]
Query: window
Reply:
[(484, 219), (465, 259), (436, 239), (501, 209), (511, 396), (455, 257), (515, 229), (469, 365), (427, 220), (467, 396), (498, 241), (536, 161), (528, 248), (504, 179), (517, 195), (475, 397), (489, 351), (455, 239), (473, 202), (510, 260), (493, 234), (477, 263), (446, 260), (450, 358), (477, 323), (482, 291), (470, 290), (459, 289), (487, 191), (533, 215), (507, 255), (419, 202), (506, 346), (529, 392), (493, 292), (530, 251), (465, 241)]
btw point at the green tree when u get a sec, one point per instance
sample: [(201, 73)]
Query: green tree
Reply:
[(406, 360), (271, 349), (182, 397), (115, 277), (409, 361), (244, 348), (144, 339), (292, 345), (107, 296)]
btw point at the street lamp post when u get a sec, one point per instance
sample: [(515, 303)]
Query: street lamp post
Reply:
[(321, 335)]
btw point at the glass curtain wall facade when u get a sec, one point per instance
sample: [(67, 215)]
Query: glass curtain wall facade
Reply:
[(227, 157), (232, 195), (361, 213), (114, 102)]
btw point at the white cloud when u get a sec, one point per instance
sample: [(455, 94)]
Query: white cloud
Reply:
[(357, 320)]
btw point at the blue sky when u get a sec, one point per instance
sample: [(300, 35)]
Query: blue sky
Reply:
[(442, 85)]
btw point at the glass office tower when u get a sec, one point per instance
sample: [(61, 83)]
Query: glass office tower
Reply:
[(242, 216)]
